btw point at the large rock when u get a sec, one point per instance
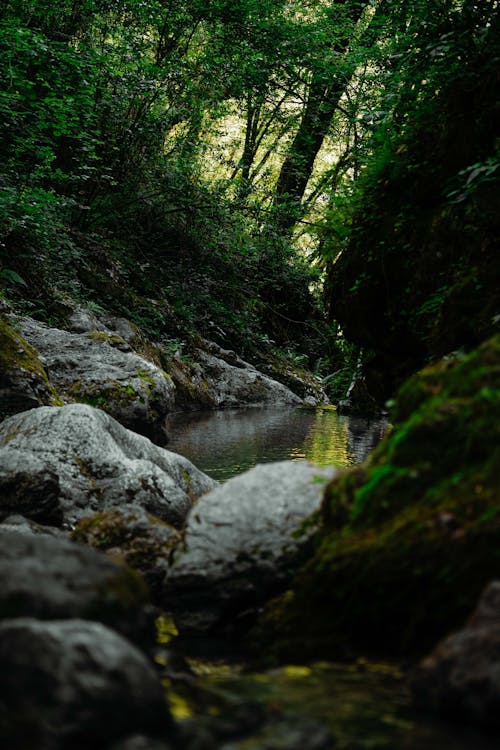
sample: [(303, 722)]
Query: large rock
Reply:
[(98, 463), (99, 368), (50, 578), (74, 684), (23, 380), (217, 378), (243, 541), (461, 677)]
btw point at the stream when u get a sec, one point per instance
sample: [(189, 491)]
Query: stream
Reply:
[(364, 705), (227, 442)]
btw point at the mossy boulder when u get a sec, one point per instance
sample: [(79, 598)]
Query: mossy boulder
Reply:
[(409, 539), (23, 380), (142, 541), (100, 368)]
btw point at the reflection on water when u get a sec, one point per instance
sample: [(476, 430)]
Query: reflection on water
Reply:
[(225, 443)]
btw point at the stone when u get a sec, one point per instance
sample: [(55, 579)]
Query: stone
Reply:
[(243, 541), (53, 578), (98, 367), (31, 492), (74, 684), (140, 540), (460, 679), (23, 379), (140, 742), (98, 463), (217, 378)]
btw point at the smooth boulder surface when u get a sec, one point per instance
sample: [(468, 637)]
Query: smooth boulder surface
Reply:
[(243, 541), (100, 368), (99, 464), (49, 578), (74, 684), (461, 677)]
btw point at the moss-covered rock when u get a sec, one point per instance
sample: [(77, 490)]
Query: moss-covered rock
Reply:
[(409, 539), (129, 534), (23, 380)]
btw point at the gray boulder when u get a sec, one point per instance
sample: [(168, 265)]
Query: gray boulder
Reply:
[(74, 684), (217, 378), (461, 677), (98, 367), (98, 463), (51, 578), (243, 542)]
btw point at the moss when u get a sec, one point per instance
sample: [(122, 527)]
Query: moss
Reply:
[(17, 355), (143, 547), (409, 539)]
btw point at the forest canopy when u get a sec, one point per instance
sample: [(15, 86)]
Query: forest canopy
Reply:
[(223, 155)]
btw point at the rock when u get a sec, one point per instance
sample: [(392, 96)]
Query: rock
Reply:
[(287, 733), (130, 534), (140, 742), (242, 542), (32, 492), (358, 400), (460, 679), (51, 578), (99, 368), (98, 463), (23, 380), (217, 378), (22, 525), (74, 684)]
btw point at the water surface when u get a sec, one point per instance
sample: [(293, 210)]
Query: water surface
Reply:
[(225, 443)]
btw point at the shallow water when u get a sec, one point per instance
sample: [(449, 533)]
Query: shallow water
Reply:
[(226, 443), (365, 705)]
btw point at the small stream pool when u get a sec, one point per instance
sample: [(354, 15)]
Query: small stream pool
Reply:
[(226, 443)]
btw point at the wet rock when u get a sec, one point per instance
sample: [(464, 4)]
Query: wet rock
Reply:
[(461, 677), (287, 733), (98, 367), (74, 684), (243, 541), (23, 380), (130, 534), (32, 492), (99, 464), (52, 578)]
